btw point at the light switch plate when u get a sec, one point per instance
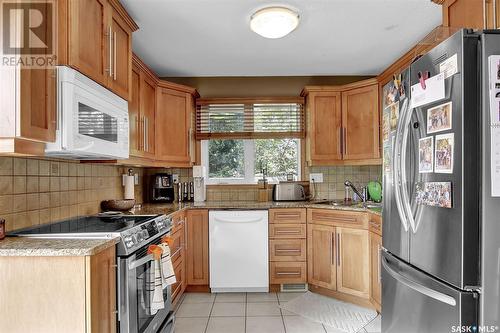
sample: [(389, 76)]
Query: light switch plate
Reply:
[(316, 177), (175, 178)]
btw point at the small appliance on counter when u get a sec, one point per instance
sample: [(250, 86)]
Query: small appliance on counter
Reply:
[(161, 188), (289, 191), (199, 187)]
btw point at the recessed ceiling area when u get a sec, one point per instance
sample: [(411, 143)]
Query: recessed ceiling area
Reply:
[(334, 37)]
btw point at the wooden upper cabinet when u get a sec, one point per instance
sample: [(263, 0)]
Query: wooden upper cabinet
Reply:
[(135, 135), (475, 14), (148, 107), (121, 44), (325, 125), (343, 124), (89, 39), (99, 42), (353, 265), (197, 247), (174, 118), (360, 120), (321, 256)]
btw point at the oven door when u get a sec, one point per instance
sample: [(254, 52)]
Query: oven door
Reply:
[(133, 300)]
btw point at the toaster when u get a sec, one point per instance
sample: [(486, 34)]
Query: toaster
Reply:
[(289, 192)]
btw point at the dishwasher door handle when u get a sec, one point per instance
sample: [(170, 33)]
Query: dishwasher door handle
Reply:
[(258, 219)]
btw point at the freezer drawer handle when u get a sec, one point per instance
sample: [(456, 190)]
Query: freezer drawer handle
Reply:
[(418, 287)]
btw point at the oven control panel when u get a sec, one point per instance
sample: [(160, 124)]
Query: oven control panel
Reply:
[(140, 235)]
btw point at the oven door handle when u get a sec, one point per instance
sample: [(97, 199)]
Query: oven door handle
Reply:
[(139, 262)]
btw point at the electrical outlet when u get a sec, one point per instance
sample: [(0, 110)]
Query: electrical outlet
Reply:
[(175, 178), (136, 179), (316, 177)]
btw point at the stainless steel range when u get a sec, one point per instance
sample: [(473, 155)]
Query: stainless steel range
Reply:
[(136, 233)]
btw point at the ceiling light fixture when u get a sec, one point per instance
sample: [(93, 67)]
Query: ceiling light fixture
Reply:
[(274, 22)]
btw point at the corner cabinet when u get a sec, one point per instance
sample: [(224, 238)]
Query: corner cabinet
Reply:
[(174, 122), (343, 124), (473, 14), (59, 294)]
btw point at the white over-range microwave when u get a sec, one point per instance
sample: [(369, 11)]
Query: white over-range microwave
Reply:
[(92, 122)]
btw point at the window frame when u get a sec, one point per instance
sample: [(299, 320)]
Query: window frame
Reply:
[(249, 164)]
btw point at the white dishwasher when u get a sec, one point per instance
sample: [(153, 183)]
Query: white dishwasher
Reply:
[(239, 257)]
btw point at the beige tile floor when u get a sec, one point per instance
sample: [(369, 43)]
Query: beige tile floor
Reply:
[(246, 313)]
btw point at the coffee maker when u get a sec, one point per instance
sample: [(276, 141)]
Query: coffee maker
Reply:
[(161, 188), (199, 175)]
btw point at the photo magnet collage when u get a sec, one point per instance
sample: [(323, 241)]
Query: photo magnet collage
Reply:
[(435, 155)]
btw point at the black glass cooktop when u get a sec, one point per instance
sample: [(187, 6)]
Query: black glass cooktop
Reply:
[(87, 224)]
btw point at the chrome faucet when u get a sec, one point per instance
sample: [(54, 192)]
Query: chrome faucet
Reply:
[(355, 190)]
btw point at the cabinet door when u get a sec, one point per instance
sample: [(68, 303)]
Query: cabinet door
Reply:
[(353, 265), (173, 126), (324, 133), (89, 38), (135, 128), (38, 104), (38, 100), (103, 291), (467, 14), (360, 121), (119, 80), (148, 106), (375, 246), (321, 256), (197, 247)]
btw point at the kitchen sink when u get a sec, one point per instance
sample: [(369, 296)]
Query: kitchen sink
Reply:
[(337, 203)]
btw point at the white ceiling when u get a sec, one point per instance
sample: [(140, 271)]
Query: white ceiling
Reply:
[(334, 37)]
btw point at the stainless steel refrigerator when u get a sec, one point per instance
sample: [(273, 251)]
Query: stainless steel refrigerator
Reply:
[(440, 260)]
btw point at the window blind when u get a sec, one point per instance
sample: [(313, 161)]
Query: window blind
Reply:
[(250, 118)]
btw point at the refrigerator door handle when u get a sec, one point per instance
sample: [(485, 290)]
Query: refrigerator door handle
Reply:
[(404, 180), (396, 167), (418, 287)]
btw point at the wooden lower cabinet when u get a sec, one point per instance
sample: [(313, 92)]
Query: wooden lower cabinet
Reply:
[(338, 257), (353, 265), (58, 294), (321, 256), (197, 247), (376, 286)]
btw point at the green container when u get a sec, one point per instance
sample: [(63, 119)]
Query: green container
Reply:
[(375, 191)]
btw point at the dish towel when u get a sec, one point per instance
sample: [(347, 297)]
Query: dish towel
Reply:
[(154, 281), (167, 269)]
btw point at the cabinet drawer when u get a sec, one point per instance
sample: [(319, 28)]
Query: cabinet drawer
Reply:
[(287, 230), (178, 222), (287, 250), (287, 272), (375, 224), (180, 276), (287, 215), (177, 244), (337, 218)]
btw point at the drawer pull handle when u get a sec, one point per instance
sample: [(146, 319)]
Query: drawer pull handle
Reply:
[(287, 273), (288, 250), (176, 251), (285, 232)]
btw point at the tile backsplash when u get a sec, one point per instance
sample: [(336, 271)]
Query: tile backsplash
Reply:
[(332, 187), (334, 176), (36, 191)]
